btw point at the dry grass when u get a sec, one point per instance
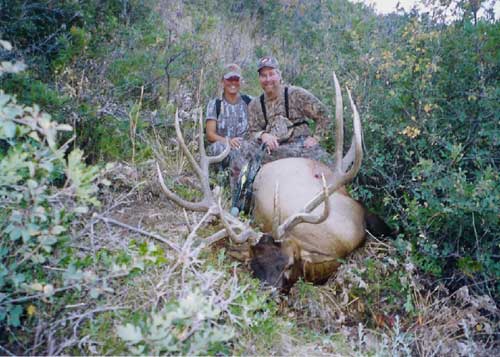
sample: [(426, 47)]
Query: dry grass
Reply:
[(357, 311)]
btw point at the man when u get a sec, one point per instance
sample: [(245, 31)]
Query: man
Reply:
[(278, 117), (227, 117)]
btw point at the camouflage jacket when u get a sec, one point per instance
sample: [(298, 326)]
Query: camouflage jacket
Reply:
[(301, 105), (233, 118)]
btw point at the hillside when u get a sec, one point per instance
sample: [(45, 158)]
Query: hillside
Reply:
[(96, 260)]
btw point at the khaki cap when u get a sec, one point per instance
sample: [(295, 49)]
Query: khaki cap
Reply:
[(267, 61), (231, 70)]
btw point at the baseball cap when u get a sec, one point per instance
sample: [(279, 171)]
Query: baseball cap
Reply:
[(267, 61), (231, 70)]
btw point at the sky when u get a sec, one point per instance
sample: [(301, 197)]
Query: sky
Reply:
[(387, 6)]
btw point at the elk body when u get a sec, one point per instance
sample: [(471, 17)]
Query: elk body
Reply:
[(308, 218), (313, 249)]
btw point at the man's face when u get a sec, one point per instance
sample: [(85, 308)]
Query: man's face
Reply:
[(269, 79), (232, 85)]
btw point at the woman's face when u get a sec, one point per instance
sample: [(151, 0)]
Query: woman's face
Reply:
[(232, 85)]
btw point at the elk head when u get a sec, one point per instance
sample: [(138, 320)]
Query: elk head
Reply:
[(276, 255)]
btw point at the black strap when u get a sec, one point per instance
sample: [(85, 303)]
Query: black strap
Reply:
[(264, 111), (247, 99), (299, 123), (263, 106), (217, 107), (286, 103)]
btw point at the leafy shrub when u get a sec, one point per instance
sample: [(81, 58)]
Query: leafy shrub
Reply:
[(432, 149), (187, 326), (30, 90), (42, 190), (72, 45)]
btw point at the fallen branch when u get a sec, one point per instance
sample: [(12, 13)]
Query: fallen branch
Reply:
[(56, 291), (138, 230)]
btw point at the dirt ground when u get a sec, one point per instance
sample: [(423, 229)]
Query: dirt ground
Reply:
[(355, 303)]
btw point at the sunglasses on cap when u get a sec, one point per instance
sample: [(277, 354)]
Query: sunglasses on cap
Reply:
[(233, 79)]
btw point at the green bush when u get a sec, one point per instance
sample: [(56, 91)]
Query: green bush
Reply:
[(43, 189), (433, 142), (29, 90), (187, 326)]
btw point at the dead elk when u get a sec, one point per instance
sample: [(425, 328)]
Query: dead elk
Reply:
[(309, 218)]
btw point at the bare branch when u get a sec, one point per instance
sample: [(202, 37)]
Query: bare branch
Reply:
[(139, 230)]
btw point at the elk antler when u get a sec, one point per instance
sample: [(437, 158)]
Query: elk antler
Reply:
[(341, 174), (208, 203), (302, 217)]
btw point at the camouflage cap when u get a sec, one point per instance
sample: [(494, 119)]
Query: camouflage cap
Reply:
[(267, 61), (231, 70)]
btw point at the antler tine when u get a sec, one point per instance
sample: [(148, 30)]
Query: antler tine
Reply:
[(303, 217), (201, 171), (356, 141), (182, 144), (276, 211), (201, 136), (201, 206), (221, 156), (341, 177), (210, 159), (246, 232), (339, 123)]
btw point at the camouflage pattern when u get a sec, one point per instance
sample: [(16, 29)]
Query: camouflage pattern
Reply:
[(232, 122), (302, 105), (295, 148), (267, 61), (233, 118), (250, 149), (231, 70)]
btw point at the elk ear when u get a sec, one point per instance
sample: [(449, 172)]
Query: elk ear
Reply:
[(377, 226)]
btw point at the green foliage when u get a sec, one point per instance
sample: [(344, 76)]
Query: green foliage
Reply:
[(29, 90), (34, 27), (42, 191), (72, 45), (203, 319), (187, 326), (48, 30), (437, 103)]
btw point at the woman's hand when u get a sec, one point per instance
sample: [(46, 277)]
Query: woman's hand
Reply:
[(235, 142)]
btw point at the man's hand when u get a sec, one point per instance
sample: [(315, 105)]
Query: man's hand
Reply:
[(270, 140), (310, 142), (235, 142)]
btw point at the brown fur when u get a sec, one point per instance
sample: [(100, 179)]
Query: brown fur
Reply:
[(310, 251)]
